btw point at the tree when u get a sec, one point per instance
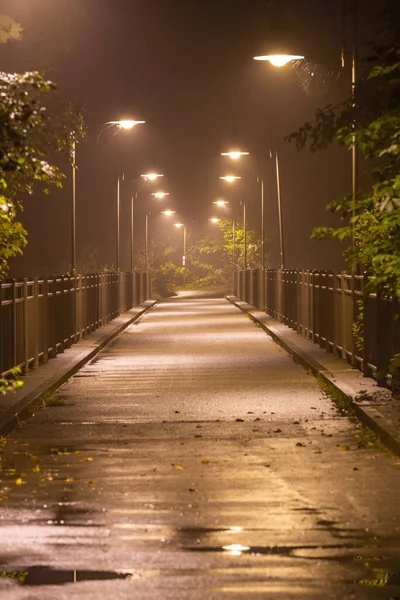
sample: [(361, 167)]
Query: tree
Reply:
[(223, 256), (371, 121), (34, 123)]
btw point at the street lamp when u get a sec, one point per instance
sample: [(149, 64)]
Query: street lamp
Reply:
[(230, 178), (125, 123), (160, 195), (279, 60), (234, 154), (182, 226), (151, 176)]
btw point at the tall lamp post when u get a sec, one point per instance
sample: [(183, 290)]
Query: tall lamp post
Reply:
[(160, 195), (73, 209), (236, 155), (280, 58), (182, 226), (127, 125)]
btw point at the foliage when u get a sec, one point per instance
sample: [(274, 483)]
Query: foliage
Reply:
[(168, 278), (34, 124), (235, 252), (371, 122), (358, 327), (209, 260), (10, 384)]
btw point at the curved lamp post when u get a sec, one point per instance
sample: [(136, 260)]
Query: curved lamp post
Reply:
[(123, 124), (235, 155)]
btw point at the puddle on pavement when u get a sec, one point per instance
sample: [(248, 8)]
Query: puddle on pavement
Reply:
[(47, 576)]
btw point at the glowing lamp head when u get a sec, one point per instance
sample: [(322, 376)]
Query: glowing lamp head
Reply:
[(214, 220), (234, 154), (168, 213), (279, 60), (125, 123), (230, 178), (221, 203), (160, 195), (151, 176), (178, 225)]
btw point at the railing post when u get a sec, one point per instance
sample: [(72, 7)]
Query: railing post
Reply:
[(37, 320), (45, 319), (14, 321), (26, 333)]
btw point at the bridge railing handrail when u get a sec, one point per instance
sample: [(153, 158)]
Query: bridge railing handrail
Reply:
[(42, 316), (331, 309)]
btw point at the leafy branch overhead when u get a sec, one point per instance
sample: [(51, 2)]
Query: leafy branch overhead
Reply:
[(34, 124)]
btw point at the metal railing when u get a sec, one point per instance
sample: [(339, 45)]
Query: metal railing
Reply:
[(43, 316), (324, 306)]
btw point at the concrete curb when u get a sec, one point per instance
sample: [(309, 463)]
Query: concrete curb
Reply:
[(19, 411), (376, 413)]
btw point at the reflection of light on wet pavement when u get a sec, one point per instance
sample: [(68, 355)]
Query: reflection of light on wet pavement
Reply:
[(236, 549), (236, 529)]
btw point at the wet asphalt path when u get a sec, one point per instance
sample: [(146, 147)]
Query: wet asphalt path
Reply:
[(193, 459)]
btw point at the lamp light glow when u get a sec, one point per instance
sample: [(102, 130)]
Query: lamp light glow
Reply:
[(160, 195), (234, 154), (179, 225), (125, 123), (168, 213), (279, 60), (214, 220), (230, 178), (151, 176), (221, 203)]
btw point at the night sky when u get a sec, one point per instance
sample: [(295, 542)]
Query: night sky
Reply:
[(186, 68)]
